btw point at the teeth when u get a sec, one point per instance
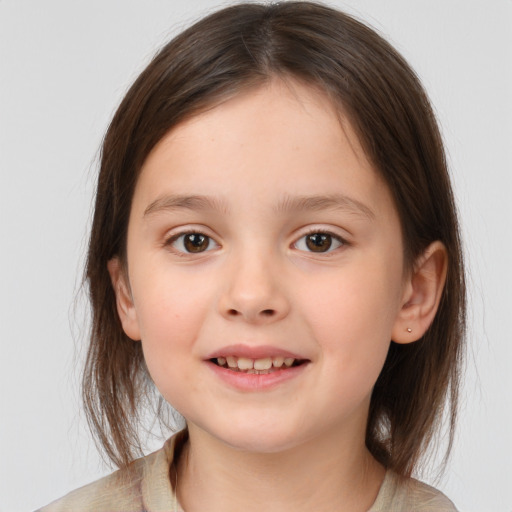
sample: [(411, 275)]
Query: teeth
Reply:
[(278, 361), (255, 365), (262, 364), (245, 364)]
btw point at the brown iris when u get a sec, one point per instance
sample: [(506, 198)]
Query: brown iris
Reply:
[(319, 242), (196, 242)]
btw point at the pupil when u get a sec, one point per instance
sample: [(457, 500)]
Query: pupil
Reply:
[(319, 242), (196, 242)]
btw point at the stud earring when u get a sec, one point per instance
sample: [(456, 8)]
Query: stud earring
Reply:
[(409, 330)]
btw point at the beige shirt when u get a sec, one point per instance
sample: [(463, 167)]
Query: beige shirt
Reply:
[(145, 487)]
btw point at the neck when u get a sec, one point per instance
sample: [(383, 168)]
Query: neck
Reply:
[(323, 475)]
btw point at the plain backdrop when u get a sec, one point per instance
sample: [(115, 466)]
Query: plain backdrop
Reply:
[(64, 66)]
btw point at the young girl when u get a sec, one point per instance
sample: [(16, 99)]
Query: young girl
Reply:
[(275, 248)]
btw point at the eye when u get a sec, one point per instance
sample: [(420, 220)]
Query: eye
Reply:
[(319, 242), (192, 243)]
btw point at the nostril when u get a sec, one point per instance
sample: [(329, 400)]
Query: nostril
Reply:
[(266, 313)]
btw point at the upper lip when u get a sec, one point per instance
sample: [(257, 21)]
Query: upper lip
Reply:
[(253, 352)]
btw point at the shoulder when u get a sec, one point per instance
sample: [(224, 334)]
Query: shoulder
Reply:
[(410, 495), (143, 485), (121, 490)]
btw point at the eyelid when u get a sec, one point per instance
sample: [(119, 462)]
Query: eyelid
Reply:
[(176, 235), (325, 231)]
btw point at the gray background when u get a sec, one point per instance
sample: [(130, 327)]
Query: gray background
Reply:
[(64, 66)]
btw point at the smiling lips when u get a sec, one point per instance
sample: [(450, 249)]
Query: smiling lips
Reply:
[(249, 368), (257, 360), (260, 366)]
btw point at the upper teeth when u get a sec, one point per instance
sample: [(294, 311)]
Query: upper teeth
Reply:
[(244, 363)]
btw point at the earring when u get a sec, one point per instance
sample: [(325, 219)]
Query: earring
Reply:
[(409, 330)]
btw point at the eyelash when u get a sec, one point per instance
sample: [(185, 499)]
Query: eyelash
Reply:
[(184, 253), (315, 231), (174, 238)]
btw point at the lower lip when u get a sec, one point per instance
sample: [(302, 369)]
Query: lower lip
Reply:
[(256, 382)]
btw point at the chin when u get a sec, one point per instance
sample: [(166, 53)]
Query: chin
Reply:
[(259, 438)]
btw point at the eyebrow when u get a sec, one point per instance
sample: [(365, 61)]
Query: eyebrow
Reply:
[(287, 204), (193, 202), (336, 202)]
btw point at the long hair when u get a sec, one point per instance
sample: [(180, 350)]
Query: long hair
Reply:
[(244, 46)]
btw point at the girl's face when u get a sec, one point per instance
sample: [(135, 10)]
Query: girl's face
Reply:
[(260, 235)]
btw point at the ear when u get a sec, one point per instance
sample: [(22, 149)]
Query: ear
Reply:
[(422, 293), (124, 301)]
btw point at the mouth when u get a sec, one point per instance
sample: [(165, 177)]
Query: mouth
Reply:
[(253, 369), (261, 366)]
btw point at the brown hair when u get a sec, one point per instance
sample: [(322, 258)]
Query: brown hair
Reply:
[(240, 47)]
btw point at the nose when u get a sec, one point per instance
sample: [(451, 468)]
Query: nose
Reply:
[(254, 291)]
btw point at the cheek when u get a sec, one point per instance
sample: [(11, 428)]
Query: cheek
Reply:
[(352, 313), (171, 324), (169, 304), (171, 314)]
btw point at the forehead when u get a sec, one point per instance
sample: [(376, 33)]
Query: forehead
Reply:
[(284, 102), (281, 137)]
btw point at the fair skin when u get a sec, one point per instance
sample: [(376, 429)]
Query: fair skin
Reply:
[(259, 231)]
